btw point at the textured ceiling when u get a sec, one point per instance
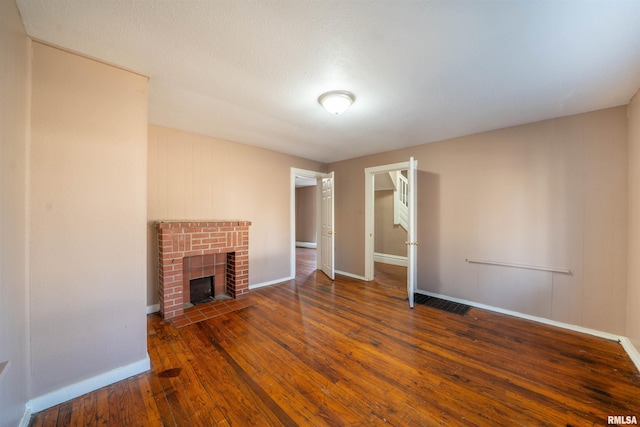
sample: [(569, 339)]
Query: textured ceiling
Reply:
[(251, 71)]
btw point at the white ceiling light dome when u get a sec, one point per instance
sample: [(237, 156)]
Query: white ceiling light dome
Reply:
[(336, 101)]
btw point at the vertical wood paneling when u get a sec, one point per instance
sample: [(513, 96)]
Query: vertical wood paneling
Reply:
[(178, 178), (523, 291), (15, 83), (633, 278), (620, 182), (550, 193), (203, 178), (567, 180), (225, 184), (163, 178), (152, 174), (88, 203), (190, 172), (599, 225), (195, 186)]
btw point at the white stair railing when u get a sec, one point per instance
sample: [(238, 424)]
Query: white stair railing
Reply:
[(401, 202)]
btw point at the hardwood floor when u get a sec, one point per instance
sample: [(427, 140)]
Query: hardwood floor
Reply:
[(312, 352)]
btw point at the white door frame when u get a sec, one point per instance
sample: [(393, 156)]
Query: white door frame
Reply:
[(327, 226), (369, 220), (412, 233), (292, 215)]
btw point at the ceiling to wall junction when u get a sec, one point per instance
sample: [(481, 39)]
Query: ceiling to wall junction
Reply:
[(421, 71)]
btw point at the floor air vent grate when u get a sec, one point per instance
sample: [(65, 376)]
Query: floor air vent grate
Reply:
[(442, 304)]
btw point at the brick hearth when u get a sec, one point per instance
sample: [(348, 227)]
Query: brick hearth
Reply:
[(180, 240)]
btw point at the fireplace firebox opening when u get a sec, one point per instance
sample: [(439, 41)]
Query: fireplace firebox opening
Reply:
[(201, 290), (206, 289)]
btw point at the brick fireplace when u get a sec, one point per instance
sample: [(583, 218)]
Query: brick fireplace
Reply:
[(183, 243)]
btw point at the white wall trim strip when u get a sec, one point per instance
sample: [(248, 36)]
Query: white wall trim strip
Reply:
[(286, 279), (153, 308), (86, 386), (631, 351), (353, 276), (270, 283), (624, 341), (24, 422), (311, 245), (390, 259)]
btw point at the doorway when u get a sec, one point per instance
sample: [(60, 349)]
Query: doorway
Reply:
[(391, 216), (411, 243), (315, 184)]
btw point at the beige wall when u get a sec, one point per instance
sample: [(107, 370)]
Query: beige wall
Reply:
[(198, 177), (14, 312), (633, 297), (552, 193), (88, 216), (306, 214), (389, 238)]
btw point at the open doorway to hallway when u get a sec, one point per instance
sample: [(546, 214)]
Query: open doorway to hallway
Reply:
[(306, 210), (390, 212), (305, 215), (324, 218), (411, 199), (306, 195)]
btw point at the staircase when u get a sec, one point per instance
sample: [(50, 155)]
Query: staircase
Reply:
[(400, 201), (397, 182)]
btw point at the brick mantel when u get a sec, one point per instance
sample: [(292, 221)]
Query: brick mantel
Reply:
[(178, 240)]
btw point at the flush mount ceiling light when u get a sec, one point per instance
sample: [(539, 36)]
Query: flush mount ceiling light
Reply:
[(336, 101)]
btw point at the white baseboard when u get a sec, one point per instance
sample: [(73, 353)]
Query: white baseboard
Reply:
[(353, 276), (153, 308), (631, 350), (390, 259), (286, 279), (86, 386), (271, 282), (310, 245), (624, 341)]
